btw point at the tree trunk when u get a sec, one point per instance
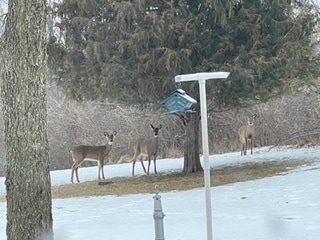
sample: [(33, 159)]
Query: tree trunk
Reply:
[(191, 148), (28, 186)]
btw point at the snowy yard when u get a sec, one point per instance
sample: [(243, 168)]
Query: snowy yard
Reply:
[(282, 207)]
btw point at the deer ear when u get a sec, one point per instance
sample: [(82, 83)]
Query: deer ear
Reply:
[(105, 134), (114, 133), (160, 126), (152, 126)]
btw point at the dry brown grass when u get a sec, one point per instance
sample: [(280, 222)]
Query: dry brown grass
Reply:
[(173, 181)]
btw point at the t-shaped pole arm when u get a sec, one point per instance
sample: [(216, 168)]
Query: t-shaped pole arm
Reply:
[(200, 76)]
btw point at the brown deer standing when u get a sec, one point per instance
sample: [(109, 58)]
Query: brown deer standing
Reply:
[(246, 134), (91, 153), (147, 147)]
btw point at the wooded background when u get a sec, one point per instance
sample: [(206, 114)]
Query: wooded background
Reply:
[(288, 120), (117, 59)]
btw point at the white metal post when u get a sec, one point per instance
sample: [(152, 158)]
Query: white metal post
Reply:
[(202, 77), (205, 149)]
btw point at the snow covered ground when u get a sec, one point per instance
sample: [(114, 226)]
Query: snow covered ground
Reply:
[(284, 207)]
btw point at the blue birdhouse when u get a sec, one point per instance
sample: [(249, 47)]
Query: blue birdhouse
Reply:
[(179, 102)]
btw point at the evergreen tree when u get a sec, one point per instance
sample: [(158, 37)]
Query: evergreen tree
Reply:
[(130, 51)]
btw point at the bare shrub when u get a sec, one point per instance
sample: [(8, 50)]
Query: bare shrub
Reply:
[(124, 159), (288, 120), (174, 153)]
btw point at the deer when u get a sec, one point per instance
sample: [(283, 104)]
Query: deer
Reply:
[(92, 153), (147, 147), (246, 134)]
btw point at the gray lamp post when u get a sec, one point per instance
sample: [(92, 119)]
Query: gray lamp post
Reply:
[(202, 77)]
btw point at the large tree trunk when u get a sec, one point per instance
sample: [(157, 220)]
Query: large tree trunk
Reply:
[(191, 148), (29, 214)]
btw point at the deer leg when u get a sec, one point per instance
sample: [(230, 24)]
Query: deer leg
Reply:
[(102, 172), (100, 165), (251, 143), (72, 172), (243, 141), (154, 163), (144, 169), (133, 163), (149, 163), (245, 147), (76, 170), (242, 149)]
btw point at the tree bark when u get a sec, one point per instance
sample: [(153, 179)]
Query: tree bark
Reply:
[(28, 185), (191, 148)]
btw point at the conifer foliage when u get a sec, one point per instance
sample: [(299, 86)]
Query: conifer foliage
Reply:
[(131, 50)]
